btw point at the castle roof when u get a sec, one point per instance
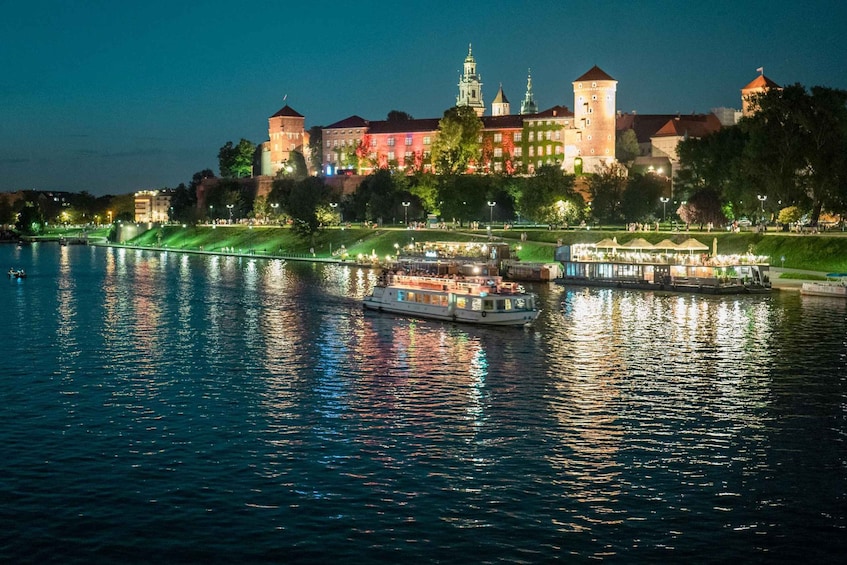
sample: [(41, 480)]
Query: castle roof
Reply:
[(594, 73), (511, 121), (761, 82), (647, 126), (554, 112), (287, 112), (500, 98), (403, 126), (351, 122)]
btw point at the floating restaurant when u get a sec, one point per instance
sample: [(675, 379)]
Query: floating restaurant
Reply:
[(681, 267)]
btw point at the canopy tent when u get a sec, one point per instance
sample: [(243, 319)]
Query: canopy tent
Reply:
[(607, 244), (692, 245), (666, 245), (637, 243)]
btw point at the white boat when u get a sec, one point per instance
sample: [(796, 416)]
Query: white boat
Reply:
[(473, 299), (838, 290)]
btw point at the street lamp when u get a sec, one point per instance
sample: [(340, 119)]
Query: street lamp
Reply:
[(491, 205), (333, 205), (406, 212), (762, 198), (230, 206), (211, 213), (664, 200), (110, 215)]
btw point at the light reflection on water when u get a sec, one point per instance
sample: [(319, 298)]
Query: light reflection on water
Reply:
[(627, 424)]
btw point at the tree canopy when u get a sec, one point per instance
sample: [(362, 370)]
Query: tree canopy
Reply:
[(236, 161), (457, 143)]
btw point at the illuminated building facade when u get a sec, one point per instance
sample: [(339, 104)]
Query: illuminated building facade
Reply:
[(286, 133), (470, 86), (594, 119), (152, 205)]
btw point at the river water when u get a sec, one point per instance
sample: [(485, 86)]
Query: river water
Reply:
[(178, 408)]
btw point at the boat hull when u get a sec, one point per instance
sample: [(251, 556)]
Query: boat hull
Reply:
[(824, 289)]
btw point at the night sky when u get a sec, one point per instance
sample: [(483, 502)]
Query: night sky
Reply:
[(113, 97)]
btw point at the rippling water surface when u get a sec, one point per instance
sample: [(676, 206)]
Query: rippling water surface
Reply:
[(159, 406)]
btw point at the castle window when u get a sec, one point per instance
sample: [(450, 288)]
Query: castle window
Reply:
[(588, 122), (408, 139), (426, 140), (557, 135), (593, 85), (391, 142), (579, 85), (518, 151), (498, 152), (594, 97), (518, 136), (498, 137), (391, 155), (532, 136), (547, 135), (532, 151)]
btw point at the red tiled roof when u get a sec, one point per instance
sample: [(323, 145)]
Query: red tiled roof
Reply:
[(351, 122), (646, 126), (690, 126), (502, 122), (287, 112), (760, 82), (403, 126), (554, 112), (594, 73)]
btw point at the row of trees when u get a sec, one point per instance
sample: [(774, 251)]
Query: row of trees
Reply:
[(788, 158)]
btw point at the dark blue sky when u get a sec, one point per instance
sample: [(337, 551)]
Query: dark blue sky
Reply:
[(113, 97)]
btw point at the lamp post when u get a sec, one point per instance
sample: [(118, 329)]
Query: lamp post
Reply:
[(491, 205), (406, 212), (211, 213), (230, 206), (762, 198), (110, 215), (664, 200)]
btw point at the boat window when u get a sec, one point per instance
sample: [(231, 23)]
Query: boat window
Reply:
[(505, 304), (461, 302), (401, 295), (520, 303), (488, 305), (476, 304)]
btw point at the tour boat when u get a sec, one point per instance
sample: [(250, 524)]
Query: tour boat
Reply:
[(837, 290), (17, 274), (677, 267), (485, 300)]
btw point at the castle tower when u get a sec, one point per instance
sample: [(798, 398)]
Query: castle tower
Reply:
[(286, 132), (500, 106), (594, 118), (528, 105), (759, 85), (470, 86)]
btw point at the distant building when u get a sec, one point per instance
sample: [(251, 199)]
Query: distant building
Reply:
[(528, 105), (548, 138), (500, 105), (286, 133), (470, 86), (758, 85), (152, 205), (594, 119)]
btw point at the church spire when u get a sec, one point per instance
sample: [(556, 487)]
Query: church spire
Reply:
[(470, 86), (528, 105)]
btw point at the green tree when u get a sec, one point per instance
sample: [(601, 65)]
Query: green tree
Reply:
[(640, 199), (303, 201), (183, 205), (607, 188), (299, 170), (398, 116), (316, 150), (30, 221), (236, 161), (626, 146), (549, 196), (703, 207), (457, 143)]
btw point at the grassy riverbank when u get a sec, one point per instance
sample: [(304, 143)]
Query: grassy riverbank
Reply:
[(826, 253)]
